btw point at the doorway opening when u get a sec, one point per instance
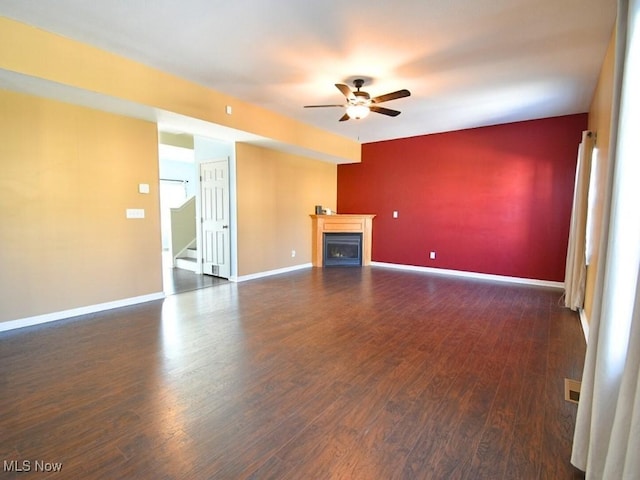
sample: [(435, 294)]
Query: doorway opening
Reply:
[(181, 207)]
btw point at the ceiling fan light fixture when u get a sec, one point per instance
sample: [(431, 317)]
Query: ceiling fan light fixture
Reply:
[(357, 111), (360, 104)]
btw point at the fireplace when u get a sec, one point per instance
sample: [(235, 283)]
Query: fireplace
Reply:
[(356, 226), (342, 249)]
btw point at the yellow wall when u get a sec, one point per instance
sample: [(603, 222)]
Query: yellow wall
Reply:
[(68, 173), (30, 51), (600, 123), (67, 176), (276, 194)]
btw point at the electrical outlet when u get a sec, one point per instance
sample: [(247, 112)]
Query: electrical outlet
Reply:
[(395, 214), (293, 253), (432, 255)]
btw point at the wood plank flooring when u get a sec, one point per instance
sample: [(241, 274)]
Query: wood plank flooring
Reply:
[(176, 280), (344, 373)]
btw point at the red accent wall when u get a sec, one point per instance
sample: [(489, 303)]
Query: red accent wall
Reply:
[(491, 200)]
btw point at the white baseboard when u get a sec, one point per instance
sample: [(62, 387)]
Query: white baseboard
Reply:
[(474, 275), (74, 312), (584, 321), (268, 273)]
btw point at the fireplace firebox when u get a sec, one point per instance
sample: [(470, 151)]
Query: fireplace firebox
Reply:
[(342, 249)]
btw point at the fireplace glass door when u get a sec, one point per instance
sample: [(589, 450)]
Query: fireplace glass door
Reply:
[(342, 249)]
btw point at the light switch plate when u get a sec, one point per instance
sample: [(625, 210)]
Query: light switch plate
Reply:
[(143, 188), (135, 212)]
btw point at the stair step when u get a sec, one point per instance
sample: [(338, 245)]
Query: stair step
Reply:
[(187, 263), (191, 253)]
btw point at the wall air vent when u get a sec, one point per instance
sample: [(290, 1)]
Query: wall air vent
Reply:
[(571, 390)]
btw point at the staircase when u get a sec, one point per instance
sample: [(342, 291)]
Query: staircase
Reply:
[(187, 260), (183, 235)]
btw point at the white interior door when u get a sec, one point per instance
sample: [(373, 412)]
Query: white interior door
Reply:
[(214, 190)]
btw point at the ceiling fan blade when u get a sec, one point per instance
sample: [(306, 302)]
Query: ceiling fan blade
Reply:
[(391, 96), (384, 111), (344, 118), (320, 106), (346, 91)]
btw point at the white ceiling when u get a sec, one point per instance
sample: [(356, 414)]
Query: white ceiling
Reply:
[(467, 63)]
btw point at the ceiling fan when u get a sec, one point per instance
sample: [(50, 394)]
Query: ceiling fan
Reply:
[(360, 103)]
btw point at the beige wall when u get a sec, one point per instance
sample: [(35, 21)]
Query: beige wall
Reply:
[(600, 123), (276, 194), (67, 176), (30, 51)]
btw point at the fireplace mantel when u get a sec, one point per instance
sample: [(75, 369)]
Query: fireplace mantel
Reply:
[(341, 223)]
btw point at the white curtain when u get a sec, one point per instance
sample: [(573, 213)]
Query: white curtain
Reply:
[(607, 435), (575, 276)]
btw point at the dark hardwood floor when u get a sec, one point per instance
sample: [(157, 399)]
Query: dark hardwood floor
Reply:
[(176, 280), (338, 373)]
